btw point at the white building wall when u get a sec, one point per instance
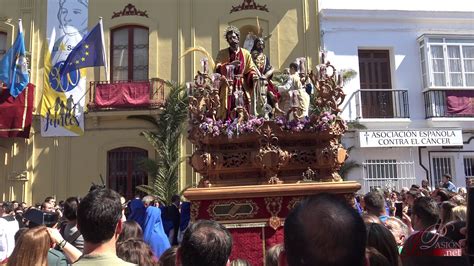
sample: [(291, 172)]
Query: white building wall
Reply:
[(347, 26)]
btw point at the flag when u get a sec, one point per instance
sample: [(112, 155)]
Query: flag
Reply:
[(89, 52), (17, 113), (13, 66)]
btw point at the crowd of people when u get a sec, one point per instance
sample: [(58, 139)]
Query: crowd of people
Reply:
[(416, 226)]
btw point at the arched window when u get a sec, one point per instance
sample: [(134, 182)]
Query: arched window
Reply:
[(3, 43), (129, 52), (123, 172)]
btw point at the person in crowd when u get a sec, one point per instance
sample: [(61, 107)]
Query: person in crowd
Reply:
[(148, 201), (130, 229), (154, 234), (460, 213), (446, 212), (425, 214), (205, 243), (462, 191), (448, 184), (425, 184), (375, 205), (174, 216), (399, 231), (342, 242), (31, 248), (185, 217), (64, 253), (8, 227), (421, 248), (380, 238), (440, 195), (168, 258), (47, 207), (458, 200), (124, 203), (69, 231), (272, 255), (370, 218), (452, 230), (137, 212), (136, 251), (411, 196), (50, 200), (376, 258), (99, 220)]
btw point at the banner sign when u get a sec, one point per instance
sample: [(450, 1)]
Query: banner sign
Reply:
[(62, 107), (410, 138)]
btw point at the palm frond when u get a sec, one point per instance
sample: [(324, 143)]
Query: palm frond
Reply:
[(212, 64), (347, 167), (165, 139)]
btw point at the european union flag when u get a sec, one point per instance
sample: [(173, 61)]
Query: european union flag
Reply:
[(14, 67), (89, 52)]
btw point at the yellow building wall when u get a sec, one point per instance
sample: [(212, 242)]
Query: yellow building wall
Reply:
[(34, 168)]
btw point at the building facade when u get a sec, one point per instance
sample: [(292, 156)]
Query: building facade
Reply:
[(413, 91), (144, 41)]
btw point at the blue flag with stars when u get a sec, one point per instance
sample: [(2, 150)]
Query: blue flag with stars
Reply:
[(89, 52), (14, 67)]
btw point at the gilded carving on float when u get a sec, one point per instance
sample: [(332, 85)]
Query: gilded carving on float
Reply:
[(252, 146), (293, 202), (195, 210), (232, 209), (273, 205)]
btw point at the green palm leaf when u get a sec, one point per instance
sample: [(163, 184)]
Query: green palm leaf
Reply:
[(165, 139)]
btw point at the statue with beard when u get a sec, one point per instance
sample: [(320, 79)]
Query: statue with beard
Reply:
[(237, 86)]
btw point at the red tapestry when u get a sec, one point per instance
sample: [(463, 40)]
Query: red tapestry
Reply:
[(247, 245), (460, 102), (127, 94), (16, 113)]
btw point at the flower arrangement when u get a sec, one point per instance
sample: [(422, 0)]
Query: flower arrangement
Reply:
[(294, 125), (323, 122), (230, 128)]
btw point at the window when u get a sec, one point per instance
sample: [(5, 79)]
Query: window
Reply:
[(129, 52), (375, 80), (123, 172), (3, 43), (447, 61), (469, 166), (388, 173), (440, 166)]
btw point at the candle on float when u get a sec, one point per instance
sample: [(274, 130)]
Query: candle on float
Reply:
[(189, 88), (204, 64), (230, 71)]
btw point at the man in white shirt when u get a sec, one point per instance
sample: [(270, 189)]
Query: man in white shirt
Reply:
[(8, 228)]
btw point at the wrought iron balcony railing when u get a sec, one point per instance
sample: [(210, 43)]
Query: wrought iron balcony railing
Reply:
[(449, 103), (126, 95), (382, 103)]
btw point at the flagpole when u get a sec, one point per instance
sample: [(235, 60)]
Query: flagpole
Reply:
[(20, 25), (103, 49)]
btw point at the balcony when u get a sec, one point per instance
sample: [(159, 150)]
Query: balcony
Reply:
[(126, 95), (449, 103), (382, 103)]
